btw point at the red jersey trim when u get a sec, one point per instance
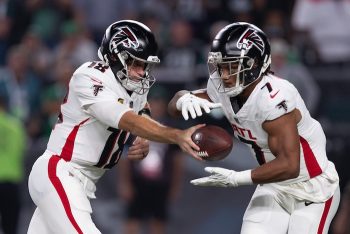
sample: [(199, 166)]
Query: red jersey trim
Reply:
[(68, 147), (312, 165)]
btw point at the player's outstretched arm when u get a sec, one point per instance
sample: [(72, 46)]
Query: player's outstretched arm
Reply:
[(152, 130), (191, 103)]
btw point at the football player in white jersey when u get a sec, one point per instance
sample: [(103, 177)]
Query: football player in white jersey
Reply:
[(297, 186), (103, 106)]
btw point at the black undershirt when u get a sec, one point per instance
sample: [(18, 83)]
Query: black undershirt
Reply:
[(236, 104)]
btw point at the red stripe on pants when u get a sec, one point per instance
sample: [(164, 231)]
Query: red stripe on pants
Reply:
[(327, 206), (60, 190)]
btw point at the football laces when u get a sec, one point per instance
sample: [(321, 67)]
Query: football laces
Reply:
[(202, 154)]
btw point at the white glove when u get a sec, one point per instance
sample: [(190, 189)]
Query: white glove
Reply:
[(222, 177), (194, 105)]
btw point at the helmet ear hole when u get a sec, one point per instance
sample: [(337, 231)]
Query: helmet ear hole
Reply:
[(113, 58), (124, 55), (251, 62), (256, 63)]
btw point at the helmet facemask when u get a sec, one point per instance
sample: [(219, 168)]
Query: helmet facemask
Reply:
[(236, 66), (136, 83)]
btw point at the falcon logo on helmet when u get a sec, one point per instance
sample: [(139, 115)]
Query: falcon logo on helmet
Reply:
[(250, 38), (126, 36), (128, 45)]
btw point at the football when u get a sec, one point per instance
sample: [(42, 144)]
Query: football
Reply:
[(215, 143)]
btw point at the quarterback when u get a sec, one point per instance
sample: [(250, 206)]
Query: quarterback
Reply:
[(106, 102), (297, 186)]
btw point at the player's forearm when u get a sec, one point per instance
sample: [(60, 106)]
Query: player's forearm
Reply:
[(274, 171), (148, 128)]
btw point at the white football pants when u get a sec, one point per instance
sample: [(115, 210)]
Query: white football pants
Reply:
[(265, 216), (62, 203)]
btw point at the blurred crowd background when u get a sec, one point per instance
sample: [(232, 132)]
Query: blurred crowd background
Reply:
[(42, 42)]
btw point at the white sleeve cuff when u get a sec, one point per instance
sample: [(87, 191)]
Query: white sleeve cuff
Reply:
[(109, 112), (244, 177)]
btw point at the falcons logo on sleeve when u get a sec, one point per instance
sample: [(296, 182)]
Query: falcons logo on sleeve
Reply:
[(97, 89), (250, 38), (283, 105), (124, 36)]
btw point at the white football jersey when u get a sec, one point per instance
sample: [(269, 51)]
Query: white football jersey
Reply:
[(271, 98), (89, 137)]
